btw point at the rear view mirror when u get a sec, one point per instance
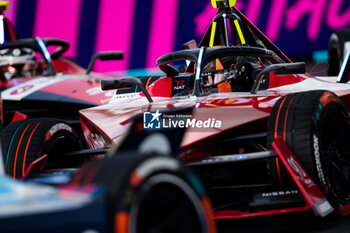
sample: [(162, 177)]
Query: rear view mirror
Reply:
[(119, 83), (104, 56), (279, 69), (192, 44)]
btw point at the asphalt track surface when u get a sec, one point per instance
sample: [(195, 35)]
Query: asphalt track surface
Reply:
[(287, 223)]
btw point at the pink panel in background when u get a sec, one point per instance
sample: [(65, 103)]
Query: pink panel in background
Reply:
[(12, 11), (276, 19), (59, 19), (114, 32), (162, 30), (253, 10)]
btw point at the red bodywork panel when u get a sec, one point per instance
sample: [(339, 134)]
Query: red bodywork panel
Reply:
[(18, 116), (81, 88), (241, 113), (62, 66), (283, 80), (72, 83), (110, 122), (161, 87), (36, 163), (313, 196), (233, 214), (71, 86), (236, 111), (65, 66), (233, 109)]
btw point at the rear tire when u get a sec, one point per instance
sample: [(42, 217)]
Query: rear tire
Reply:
[(336, 50), (27, 140), (316, 127), (150, 193)]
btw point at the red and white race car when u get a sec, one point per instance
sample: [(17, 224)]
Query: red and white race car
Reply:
[(264, 136)]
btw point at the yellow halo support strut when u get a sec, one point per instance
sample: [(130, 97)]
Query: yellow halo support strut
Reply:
[(231, 3), (4, 5), (212, 34), (240, 33)]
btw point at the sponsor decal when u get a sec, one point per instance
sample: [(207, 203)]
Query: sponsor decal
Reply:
[(20, 90), (179, 85), (280, 193), (60, 126), (157, 120), (300, 171), (98, 91), (121, 97), (24, 89), (318, 160), (97, 141)]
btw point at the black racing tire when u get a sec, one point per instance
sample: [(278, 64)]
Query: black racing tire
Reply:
[(336, 50), (149, 193), (316, 127), (279, 174), (25, 141)]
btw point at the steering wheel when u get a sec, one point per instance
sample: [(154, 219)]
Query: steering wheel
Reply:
[(40, 46)]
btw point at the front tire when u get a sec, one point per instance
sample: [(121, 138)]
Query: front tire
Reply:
[(316, 127), (150, 193), (25, 141)]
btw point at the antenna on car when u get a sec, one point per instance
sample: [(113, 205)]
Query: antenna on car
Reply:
[(223, 3), (217, 34), (225, 13)]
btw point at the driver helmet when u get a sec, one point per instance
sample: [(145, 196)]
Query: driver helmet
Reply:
[(18, 62), (218, 79)]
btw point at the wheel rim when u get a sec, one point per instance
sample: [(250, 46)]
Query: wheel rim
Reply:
[(58, 148), (167, 204), (336, 162)]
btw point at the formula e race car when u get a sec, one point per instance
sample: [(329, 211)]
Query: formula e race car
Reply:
[(116, 202), (52, 87), (36, 80), (263, 136)]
